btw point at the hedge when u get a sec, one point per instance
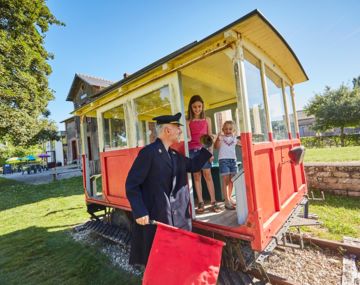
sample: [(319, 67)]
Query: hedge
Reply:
[(330, 141)]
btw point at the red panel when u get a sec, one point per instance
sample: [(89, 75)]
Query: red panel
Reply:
[(179, 147), (115, 166), (284, 171), (269, 179), (264, 187)]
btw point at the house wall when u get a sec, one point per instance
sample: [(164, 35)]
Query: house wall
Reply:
[(72, 135), (83, 93)]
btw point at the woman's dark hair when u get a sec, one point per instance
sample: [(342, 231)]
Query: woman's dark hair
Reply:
[(193, 99)]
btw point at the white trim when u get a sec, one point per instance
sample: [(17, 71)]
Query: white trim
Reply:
[(241, 89), (265, 97), (287, 119), (294, 110)]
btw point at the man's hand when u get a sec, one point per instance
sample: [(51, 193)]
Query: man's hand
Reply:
[(143, 220)]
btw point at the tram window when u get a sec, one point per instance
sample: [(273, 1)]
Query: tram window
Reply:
[(114, 128), (291, 111), (276, 105), (255, 96), (153, 104), (220, 118)]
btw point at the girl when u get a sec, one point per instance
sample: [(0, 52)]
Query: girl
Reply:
[(198, 125), (227, 160)]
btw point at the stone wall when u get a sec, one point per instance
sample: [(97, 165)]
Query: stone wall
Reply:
[(338, 178)]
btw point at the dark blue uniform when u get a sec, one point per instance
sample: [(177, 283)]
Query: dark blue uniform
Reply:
[(153, 191)]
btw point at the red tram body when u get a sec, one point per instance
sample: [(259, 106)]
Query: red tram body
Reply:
[(221, 68)]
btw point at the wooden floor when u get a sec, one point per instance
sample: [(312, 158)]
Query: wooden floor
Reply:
[(224, 218)]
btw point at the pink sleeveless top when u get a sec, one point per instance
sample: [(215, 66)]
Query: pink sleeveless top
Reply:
[(197, 129)]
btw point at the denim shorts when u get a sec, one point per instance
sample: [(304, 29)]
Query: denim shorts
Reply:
[(194, 153), (227, 166)]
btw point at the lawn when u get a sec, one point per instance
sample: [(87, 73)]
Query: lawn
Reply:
[(332, 154), (36, 247), (339, 215)]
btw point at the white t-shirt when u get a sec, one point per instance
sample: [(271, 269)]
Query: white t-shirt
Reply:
[(227, 147)]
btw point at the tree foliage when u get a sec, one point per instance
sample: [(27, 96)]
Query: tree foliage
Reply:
[(356, 82), (24, 70), (335, 108)]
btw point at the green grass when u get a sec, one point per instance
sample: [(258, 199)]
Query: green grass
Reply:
[(333, 154), (339, 215), (35, 245)]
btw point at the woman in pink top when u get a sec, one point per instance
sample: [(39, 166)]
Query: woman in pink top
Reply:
[(198, 125)]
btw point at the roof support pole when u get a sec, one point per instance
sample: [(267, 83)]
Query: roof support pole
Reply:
[(266, 99), (287, 119), (85, 152), (241, 88), (295, 113)]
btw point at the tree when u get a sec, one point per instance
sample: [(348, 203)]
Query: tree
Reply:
[(337, 108), (24, 70), (356, 82)]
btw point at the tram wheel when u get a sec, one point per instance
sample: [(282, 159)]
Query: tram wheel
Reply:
[(120, 219)]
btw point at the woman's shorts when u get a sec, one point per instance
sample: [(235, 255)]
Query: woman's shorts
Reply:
[(227, 166), (194, 153)]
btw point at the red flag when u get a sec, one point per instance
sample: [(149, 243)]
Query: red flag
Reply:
[(179, 257)]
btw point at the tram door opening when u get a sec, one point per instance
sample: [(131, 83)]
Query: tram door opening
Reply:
[(213, 79), (91, 157)]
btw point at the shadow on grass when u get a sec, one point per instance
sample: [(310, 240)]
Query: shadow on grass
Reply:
[(37, 256), (14, 193), (336, 201)]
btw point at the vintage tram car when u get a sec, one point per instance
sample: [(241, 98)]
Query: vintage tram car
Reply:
[(245, 72)]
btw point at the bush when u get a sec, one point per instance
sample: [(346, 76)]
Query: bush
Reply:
[(330, 141)]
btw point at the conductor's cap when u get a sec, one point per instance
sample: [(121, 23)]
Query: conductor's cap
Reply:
[(168, 119)]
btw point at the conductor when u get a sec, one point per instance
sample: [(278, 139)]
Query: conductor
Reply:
[(157, 189)]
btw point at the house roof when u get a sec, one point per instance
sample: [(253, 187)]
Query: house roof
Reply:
[(68, 119), (91, 80)]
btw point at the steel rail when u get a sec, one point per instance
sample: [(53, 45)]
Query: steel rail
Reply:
[(334, 245)]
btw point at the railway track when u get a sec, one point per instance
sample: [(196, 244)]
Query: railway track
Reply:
[(226, 277)]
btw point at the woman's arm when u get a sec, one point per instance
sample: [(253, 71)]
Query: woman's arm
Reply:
[(188, 130)]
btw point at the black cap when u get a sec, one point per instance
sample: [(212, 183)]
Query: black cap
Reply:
[(168, 119)]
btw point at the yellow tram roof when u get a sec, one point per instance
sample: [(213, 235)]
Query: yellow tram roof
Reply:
[(253, 27)]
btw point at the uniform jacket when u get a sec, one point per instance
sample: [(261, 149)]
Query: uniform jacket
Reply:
[(152, 190)]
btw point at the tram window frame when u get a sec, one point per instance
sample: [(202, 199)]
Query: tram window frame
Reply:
[(149, 135), (253, 62), (272, 77), (108, 146)]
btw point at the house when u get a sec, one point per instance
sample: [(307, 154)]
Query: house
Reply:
[(83, 90), (57, 150), (306, 123)]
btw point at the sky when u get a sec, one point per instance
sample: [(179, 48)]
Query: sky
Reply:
[(107, 38)]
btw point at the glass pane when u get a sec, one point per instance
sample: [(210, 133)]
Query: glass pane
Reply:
[(114, 128), (276, 105), (291, 111), (220, 118), (255, 96), (147, 107)]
